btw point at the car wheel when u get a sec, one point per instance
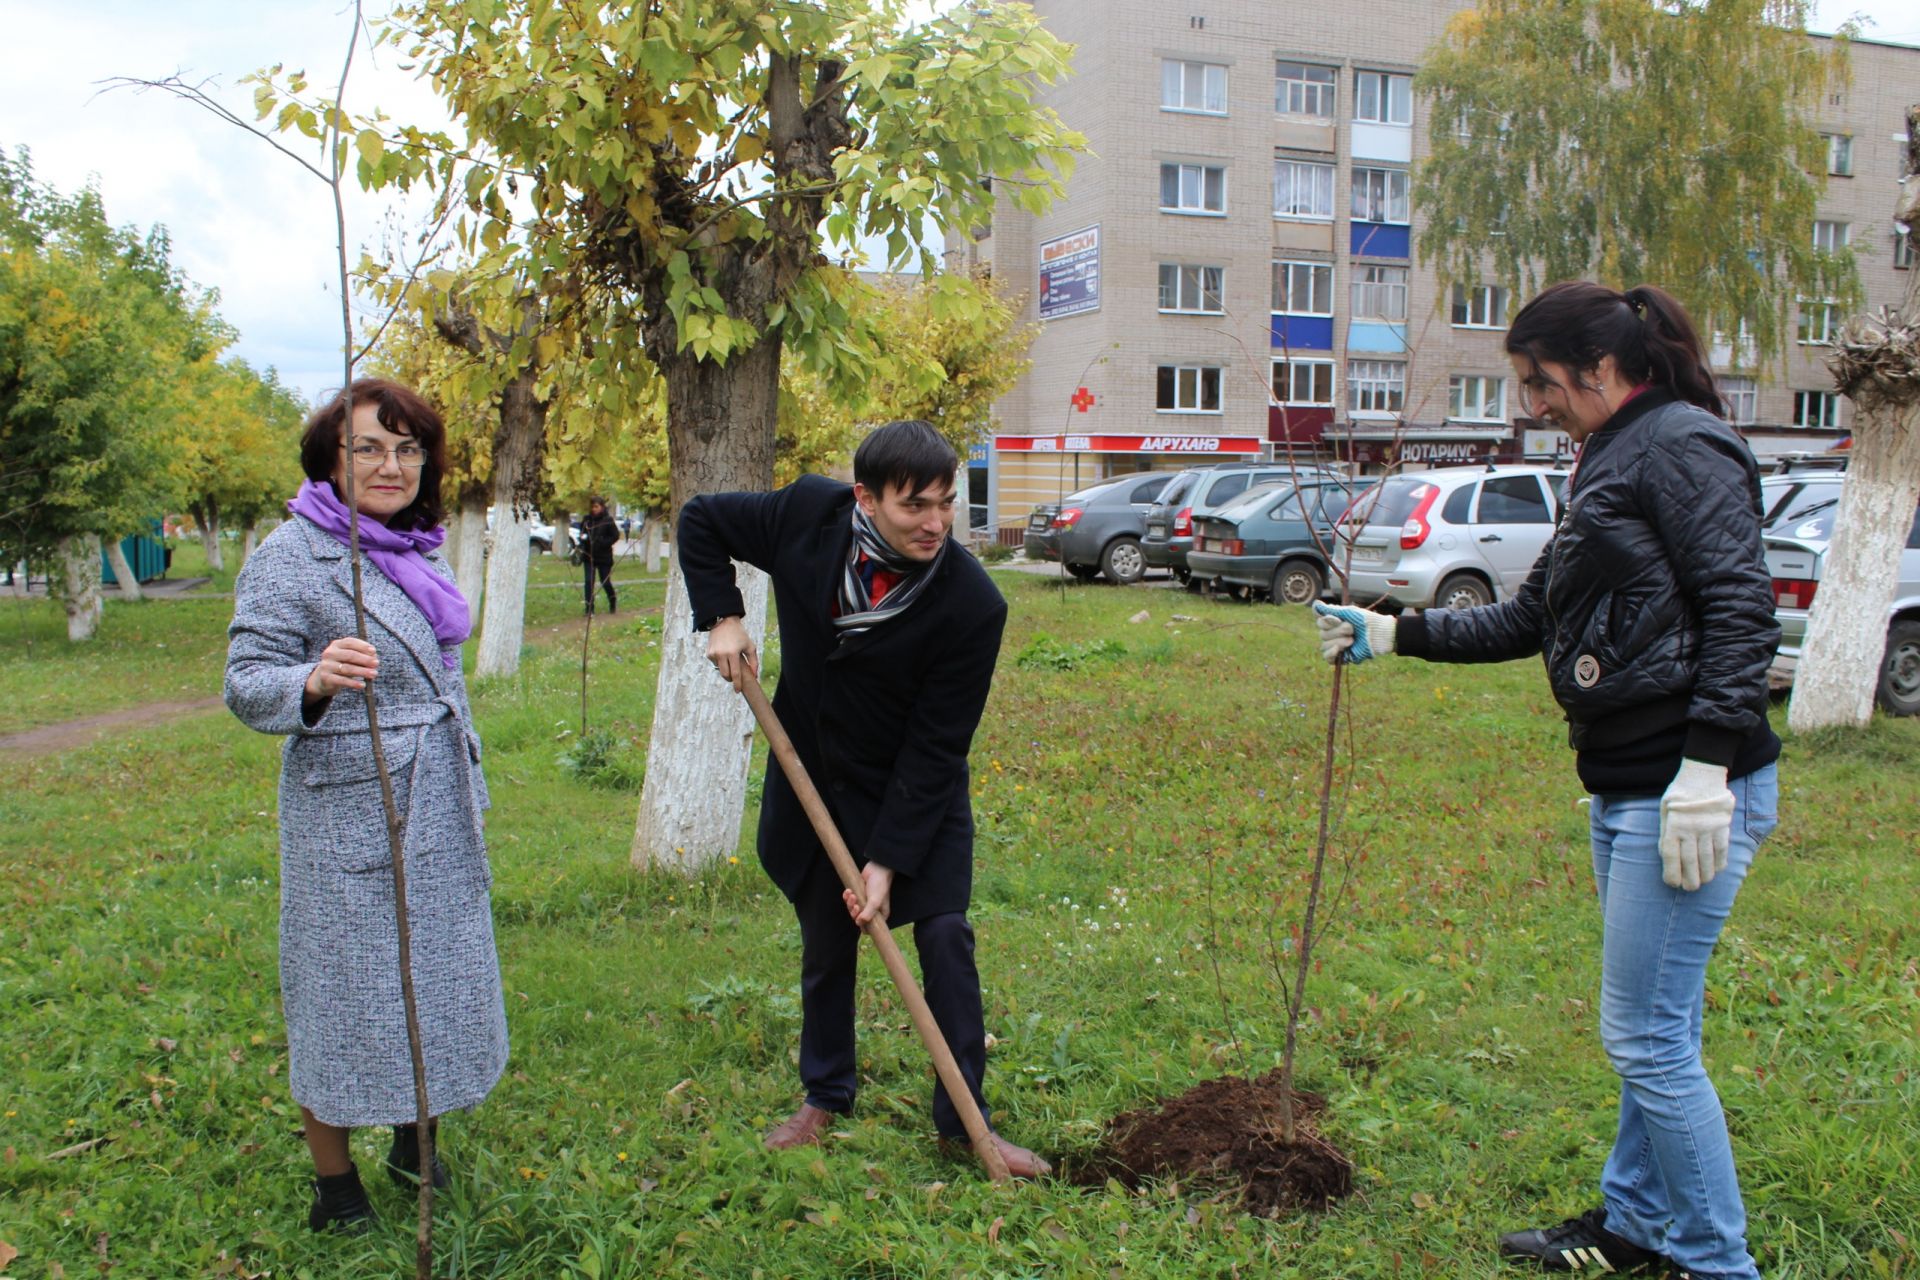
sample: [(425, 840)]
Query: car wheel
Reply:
[(1084, 572), (1462, 591), (1899, 691), (1298, 582), (538, 545), (1123, 561)]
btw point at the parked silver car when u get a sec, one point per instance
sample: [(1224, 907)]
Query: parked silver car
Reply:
[(1097, 530), (1796, 543), (1455, 537)]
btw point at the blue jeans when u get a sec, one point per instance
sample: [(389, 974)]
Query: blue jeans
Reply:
[(1669, 1183)]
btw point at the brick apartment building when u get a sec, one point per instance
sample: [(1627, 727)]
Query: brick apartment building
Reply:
[(1243, 221)]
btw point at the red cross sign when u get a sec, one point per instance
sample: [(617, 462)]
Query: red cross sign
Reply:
[(1082, 399)]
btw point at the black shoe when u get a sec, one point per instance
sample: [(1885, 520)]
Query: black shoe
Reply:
[(340, 1205), (403, 1160), (1578, 1244)]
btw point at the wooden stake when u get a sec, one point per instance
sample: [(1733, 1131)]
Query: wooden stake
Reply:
[(944, 1065)]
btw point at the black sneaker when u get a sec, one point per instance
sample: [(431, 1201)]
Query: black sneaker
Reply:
[(403, 1160), (1578, 1244), (340, 1205)]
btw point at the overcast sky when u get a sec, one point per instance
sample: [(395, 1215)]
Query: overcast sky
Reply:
[(244, 219)]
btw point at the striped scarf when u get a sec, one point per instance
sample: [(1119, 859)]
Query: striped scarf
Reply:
[(857, 610)]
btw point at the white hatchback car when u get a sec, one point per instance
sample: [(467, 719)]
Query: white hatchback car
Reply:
[(1454, 538)]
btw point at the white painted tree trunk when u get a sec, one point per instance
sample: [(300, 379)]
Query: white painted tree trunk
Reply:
[(76, 582), (210, 543), (467, 548), (656, 544), (702, 741), (122, 571), (505, 616), (249, 539), (1847, 629)]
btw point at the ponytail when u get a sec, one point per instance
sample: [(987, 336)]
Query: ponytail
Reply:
[(1647, 332)]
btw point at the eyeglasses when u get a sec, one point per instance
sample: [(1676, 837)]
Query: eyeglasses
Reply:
[(368, 454)]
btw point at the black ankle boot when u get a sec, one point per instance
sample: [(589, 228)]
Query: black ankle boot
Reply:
[(403, 1161), (340, 1204)]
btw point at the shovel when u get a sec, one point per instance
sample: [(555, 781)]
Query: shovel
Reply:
[(943, 1063)]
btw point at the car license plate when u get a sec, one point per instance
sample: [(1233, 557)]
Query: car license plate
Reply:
[(1037, 521), (1156, 528), (1366, 555)]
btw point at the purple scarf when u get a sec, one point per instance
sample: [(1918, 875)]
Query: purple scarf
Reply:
[(402, 557)]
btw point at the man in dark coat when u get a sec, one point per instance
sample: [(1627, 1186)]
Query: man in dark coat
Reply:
[(598, 534), (889, 632)]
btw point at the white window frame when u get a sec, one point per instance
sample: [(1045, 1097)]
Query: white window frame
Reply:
[(1476, 397), (1176, 82), (1319, 177), (1743, 399), (1319, 285), (1480, 306), (1376, 388), (1819, 321), (1839, 154), (1319, 99), (1198, 173), (1375, 291), (1384, 188), (1195, 284), (1190, 384), (1287, 377), (1392, 94), (1829, 408), (1830, 235)]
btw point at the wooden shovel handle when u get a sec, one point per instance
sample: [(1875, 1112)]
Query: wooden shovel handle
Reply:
[(943, 1062)]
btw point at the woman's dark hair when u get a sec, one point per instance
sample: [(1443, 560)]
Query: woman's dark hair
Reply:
[(402, 411), (908, 455), (1648, 333)]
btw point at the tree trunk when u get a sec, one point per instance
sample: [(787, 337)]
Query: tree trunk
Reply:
[(562, 521), (655, 543), (208, 518), (249, 539), (1846, 638), (1874, 363), (516, 476), (467, 548), (720, 437), (122, 571), (76, 583)]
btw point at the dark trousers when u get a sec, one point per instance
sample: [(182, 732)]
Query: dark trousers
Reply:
[(604, 569), (830, 947)]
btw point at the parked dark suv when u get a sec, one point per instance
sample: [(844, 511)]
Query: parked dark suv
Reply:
[(1198, 492), (1097, 530)]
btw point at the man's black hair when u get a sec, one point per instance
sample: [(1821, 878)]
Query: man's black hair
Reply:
[(907, 455)]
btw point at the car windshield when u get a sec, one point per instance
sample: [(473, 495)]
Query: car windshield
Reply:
[(1082, 497), (1792, 504), (1252, 500), (1390, 502), (1178, 488)]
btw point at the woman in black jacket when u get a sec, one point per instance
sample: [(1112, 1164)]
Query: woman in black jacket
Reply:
[(1652, 609)]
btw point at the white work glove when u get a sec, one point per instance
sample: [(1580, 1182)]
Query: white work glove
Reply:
[(1696, 821), (1349, 634)]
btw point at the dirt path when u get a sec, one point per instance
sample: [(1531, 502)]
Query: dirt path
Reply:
[(49, 738)]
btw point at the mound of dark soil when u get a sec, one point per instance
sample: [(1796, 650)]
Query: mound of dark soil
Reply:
[(1225, 1132)]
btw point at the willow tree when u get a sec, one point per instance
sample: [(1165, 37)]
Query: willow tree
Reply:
[(1876, 363), (1632, 143), (671, 175)]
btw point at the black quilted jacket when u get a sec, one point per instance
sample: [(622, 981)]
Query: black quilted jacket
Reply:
[(1651, 606)]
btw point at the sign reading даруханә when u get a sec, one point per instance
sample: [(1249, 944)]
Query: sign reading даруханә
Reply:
[(1070, 274)]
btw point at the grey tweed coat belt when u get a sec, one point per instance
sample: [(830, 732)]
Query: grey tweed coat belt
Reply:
[(339, 966)]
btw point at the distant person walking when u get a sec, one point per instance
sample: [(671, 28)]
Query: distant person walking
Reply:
[(1653, 610), (598, 534), (292, 650)]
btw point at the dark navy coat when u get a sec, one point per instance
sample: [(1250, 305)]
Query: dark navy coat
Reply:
[(883, 721)]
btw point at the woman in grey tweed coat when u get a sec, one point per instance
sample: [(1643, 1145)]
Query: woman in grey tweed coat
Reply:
[(292, 649)]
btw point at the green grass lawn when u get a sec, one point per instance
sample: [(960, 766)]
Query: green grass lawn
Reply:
[(1145, 796)]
